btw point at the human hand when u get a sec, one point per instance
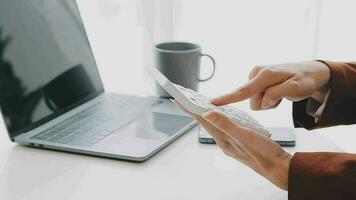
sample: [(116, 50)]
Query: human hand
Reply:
[(253, 149), (270, 84)]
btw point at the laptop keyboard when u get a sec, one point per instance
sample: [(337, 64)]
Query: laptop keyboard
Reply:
[(92, 125)]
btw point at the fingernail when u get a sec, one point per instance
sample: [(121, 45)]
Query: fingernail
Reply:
[(216, 100), (267, 103), (205, 115)]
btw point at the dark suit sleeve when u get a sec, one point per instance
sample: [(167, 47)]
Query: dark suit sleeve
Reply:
[(340, 108), (327, 175), (322, 176)]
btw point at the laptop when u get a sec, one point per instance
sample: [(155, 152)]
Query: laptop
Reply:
[(52, 97)]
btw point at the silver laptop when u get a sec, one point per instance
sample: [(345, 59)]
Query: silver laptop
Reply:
[(52, 97)]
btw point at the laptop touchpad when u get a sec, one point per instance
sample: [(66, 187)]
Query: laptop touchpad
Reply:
[(144, 135)]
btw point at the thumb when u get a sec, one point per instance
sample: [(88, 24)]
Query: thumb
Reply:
[(274, 94)]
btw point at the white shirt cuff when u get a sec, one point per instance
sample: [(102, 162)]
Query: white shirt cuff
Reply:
[(315, 109)]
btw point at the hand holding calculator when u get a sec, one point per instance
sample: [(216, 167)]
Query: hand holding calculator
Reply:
[(199, 104)]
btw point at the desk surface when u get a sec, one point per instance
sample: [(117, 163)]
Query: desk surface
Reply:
[(183, 170)]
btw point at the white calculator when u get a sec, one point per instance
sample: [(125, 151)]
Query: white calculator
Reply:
[(199, 104)]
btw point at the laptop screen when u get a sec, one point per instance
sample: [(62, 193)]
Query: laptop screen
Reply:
[(46, 63)]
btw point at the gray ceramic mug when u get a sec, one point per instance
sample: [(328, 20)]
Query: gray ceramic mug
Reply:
[(180, 63)]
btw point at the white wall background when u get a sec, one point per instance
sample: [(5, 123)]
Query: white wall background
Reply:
[(239, 34)]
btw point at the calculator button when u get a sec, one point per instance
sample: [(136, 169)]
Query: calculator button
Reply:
[(233, 113)]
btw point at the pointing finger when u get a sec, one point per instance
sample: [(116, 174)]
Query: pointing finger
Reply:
[(256, 85)]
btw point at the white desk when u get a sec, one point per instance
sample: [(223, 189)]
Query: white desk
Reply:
[(183, 170)]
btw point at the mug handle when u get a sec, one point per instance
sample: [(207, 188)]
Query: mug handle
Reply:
[(214, 66)]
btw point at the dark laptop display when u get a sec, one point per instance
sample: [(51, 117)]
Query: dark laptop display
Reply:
[(46, 64)]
